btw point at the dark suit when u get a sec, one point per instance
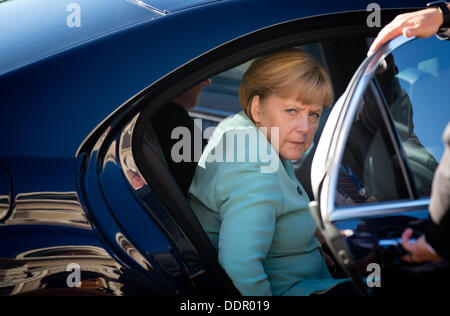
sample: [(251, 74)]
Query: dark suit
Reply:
[(438, 234), (171, 116)]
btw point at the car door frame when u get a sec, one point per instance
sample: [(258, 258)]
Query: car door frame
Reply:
[(329, 156)]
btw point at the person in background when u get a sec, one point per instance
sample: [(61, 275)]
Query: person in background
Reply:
[(435, 244), (166, 120)]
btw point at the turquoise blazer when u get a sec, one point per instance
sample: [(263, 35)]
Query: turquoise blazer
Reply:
[(255, 212)]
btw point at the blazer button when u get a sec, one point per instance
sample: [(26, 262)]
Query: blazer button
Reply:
[(299, 191)]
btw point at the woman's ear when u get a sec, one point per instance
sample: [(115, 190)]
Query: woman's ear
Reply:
[(255, 109)]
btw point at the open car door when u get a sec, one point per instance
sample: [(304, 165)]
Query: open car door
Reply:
[(374, 165)]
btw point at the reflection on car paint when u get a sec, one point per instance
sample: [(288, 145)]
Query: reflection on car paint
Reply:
[(127, 162), (129, 249), (39, 268), (55, 208)]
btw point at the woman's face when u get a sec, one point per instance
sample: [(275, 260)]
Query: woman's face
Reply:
[(297, 123)]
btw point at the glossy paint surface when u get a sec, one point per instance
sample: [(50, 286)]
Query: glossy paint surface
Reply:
[(30, 30), (169, 6)]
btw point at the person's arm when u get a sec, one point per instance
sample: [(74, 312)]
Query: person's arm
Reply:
[(438, 234), (436, 243), (423, 24), (248, 203)]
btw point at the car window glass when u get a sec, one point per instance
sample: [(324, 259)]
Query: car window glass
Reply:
[(370, 170), (417, 95)]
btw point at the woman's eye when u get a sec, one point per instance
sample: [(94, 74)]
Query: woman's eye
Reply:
[(290, 111), (315, 115)]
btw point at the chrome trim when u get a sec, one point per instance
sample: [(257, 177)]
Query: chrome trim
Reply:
[(384, 51), (379, 209), (368, 67), (49, 208)]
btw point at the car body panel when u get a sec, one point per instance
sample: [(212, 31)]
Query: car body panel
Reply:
[(47, 29)]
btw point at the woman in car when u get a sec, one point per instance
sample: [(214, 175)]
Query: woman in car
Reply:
[(245, 192)]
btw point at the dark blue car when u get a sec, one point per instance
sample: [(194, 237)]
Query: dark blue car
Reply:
[(88, 204)]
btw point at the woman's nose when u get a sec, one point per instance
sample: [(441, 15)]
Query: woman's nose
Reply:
[(303, 125)]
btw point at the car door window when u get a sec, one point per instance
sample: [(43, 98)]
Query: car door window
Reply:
[(405, 104), (370, 170), (417, 96)]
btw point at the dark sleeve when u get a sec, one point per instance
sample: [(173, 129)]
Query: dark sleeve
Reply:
[(165, 121), (438, 233), (438, 236)]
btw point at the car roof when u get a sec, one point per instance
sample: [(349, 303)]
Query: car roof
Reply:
[(31, 30), (169, 6), (26, 39)]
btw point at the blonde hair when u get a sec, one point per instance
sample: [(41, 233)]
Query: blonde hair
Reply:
[(286, 73)]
